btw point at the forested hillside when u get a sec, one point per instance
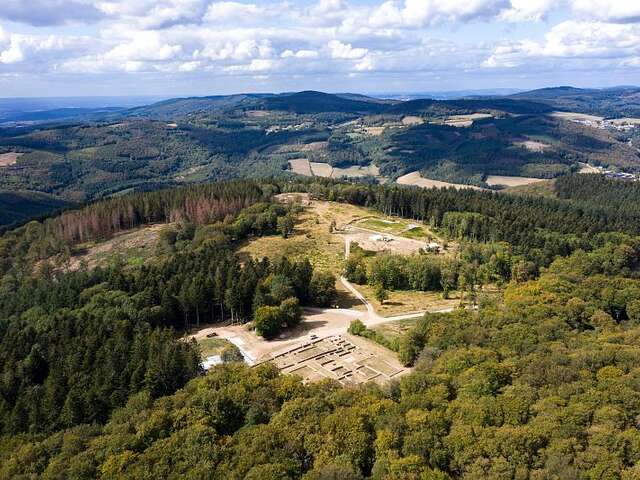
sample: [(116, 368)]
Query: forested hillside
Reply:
[(203, 139), (538, 382)]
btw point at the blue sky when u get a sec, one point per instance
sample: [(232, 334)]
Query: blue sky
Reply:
[(200, 47)]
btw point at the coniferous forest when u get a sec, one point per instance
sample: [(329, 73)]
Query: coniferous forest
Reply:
[(542, 382)]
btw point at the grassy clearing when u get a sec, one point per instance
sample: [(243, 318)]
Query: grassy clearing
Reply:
[(212, 346), (400, 227), (394, 330), (311, 238), (544, 188), (407, 301)]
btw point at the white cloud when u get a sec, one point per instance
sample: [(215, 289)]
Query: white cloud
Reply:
[(229, 50), (154, 14), (299, 54), (528, 10), (574, 41), (228, 11), (419, 13), (255, 66), (143, 46), (608, 10), (345, 51), (20, 48)]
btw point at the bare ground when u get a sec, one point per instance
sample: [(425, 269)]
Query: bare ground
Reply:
[(414, 178), (10, 158), (511, 181)]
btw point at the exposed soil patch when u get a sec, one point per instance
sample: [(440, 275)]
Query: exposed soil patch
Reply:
[(10, 158)]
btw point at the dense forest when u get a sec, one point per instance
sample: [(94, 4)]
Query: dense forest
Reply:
[(543, 386), (540, 382), (74, 345)]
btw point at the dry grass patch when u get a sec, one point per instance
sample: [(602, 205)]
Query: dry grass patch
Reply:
[(407, 301), (412, 120), (321, 169), (10, 158), (301, 166), (133, 247), (311, 239), (577, 117), (356, 171), (511, 181), (415, 179)]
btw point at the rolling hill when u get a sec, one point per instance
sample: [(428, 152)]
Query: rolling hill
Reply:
[(203, 139)]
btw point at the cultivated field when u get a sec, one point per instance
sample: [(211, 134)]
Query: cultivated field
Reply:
[(511, 181), (10, 158), (412, 120), (301, 166), (577, 117), (356, 171), (415, 179), (465, 120), (321, 169)]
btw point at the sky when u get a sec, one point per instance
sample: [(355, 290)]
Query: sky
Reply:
[(206, 47)]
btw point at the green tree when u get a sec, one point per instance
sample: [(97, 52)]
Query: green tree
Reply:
[(268, 321), (322, 289), (381, 294)]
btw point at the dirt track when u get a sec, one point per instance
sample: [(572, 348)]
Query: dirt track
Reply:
[(317, 322)]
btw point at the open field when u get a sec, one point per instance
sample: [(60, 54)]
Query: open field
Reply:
[(10, 158), (311, 237), (412, 120), (402, 227), (301, 166), (393, 330), (211, 346), (533, 146), (415, 179), (356, 171), (374, 131), (320, 169), (543, 188), (586, 168), (408, 301), (511, 181), (577, 117), (465, 120), (393, 244)]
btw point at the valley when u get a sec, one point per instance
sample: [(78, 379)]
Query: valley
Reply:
[(489, 143)]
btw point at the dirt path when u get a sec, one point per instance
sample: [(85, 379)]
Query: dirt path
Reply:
[(317, 323)]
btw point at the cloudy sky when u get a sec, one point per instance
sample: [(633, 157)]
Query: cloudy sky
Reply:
[(198, 47)]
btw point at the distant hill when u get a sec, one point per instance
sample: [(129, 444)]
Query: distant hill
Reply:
[(17, 207), (554, 92), (307, 102), (454, 107), (318, 102), (608, 102)]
